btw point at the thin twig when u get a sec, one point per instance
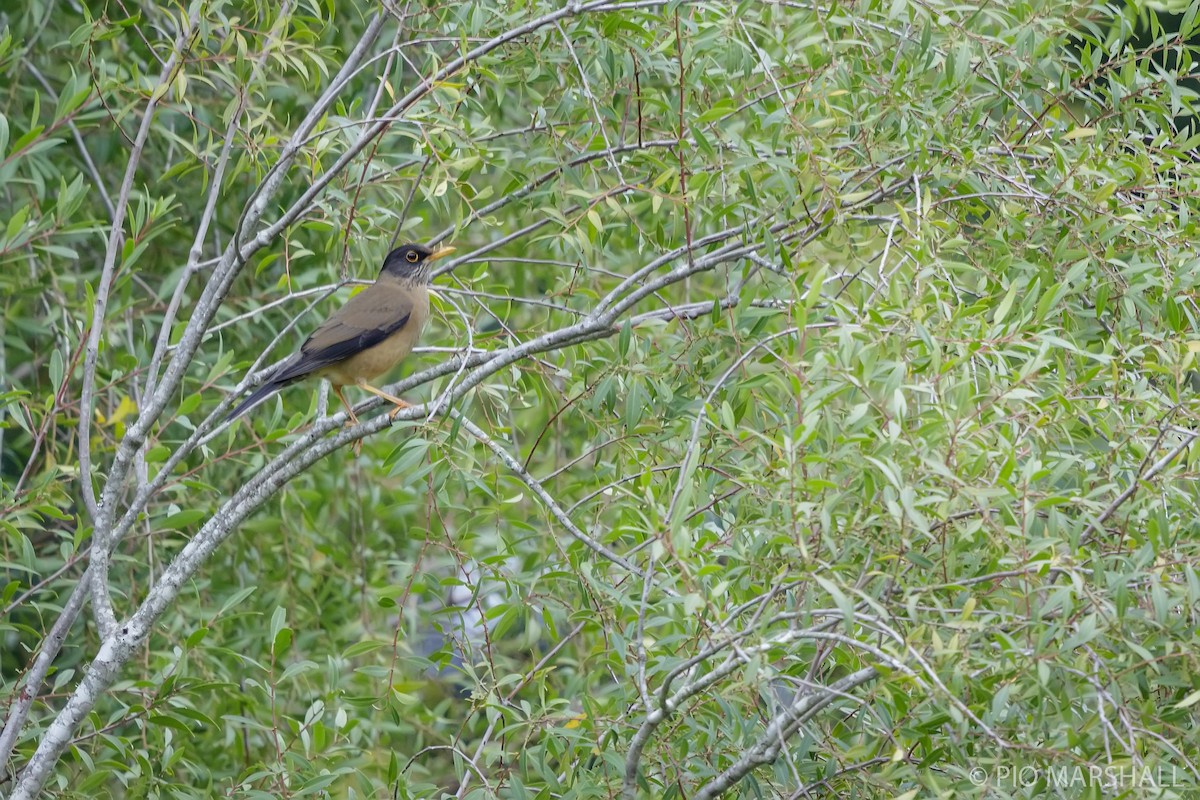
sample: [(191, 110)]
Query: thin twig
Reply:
[(551, 504), (79, 143), (1095, 526), (591, 98)]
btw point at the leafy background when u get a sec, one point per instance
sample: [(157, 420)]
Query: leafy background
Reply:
[(925, 420)]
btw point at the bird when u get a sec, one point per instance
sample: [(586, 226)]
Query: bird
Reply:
[(366, 337)]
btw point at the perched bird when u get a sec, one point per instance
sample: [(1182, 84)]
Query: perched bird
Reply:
[(366, 337)]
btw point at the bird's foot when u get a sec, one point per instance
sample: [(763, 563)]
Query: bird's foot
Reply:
[(400, 405), (352, 420)]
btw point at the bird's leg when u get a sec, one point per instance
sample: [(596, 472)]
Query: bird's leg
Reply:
[(399, 404), (337, 389)]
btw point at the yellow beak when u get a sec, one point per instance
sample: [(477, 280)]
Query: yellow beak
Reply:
[(441, 251)]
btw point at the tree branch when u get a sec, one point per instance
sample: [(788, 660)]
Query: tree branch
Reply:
[(780, 729), (101, 604)]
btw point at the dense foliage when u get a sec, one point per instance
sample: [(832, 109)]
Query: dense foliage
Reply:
[(807, 410)]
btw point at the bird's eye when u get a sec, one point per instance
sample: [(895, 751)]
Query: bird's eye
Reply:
[(412, 256)]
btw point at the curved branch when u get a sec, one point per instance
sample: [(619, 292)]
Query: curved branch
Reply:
[(780, 729), (99, 510)]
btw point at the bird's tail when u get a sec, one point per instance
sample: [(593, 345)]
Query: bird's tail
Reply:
[(257, 396)]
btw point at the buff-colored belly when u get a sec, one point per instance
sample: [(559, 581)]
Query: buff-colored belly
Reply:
[(374, 362)]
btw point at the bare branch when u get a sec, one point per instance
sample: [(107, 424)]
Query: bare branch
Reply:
[(552, 506), (102, 605), (587, 91), (35, 676), (126, 638), (207, 305), (1187, 437), (767, 748)]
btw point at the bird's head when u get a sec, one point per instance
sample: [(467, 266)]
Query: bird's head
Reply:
[(410, 262)]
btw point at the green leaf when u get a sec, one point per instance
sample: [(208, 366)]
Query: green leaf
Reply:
[(281, 635), (1005, 306), (236, 599), (56, 368)]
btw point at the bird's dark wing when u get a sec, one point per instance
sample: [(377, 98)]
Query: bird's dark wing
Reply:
[(370, 317)]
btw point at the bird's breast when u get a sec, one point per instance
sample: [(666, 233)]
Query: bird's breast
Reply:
[(375, 361)]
